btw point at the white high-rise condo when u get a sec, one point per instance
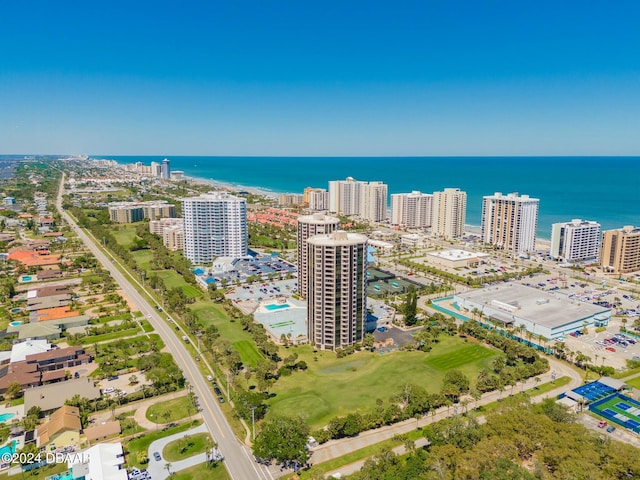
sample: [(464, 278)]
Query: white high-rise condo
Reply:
[(309, 226), (166, 168), (337, 289), (215, 225), (353, 197), (575, 241), (412, 210), (510, 221), (449, 213)]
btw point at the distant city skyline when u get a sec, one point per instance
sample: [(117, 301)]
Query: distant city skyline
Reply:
[(411, 78)]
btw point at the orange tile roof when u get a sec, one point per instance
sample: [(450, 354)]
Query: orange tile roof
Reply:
[(55, 313), (31, 259)]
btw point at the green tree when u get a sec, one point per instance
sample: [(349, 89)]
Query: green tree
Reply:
[(410, 307), (283, 439)]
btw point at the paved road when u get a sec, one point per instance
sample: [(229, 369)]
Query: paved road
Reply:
[(239, 460), (157, 468)]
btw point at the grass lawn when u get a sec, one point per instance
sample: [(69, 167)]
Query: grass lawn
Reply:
[(197, 443), (248, 352), (173, 279), (108, 336), (634, 382), (143, 258), (176, 407), (203, 472), (209, 313), (125, 235), (142, 443), (41, 472), (335, 386)]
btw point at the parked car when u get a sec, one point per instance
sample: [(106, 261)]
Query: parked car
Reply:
[(210, 378), (610, 349), (602, 424), (157, 456), (610, 429)]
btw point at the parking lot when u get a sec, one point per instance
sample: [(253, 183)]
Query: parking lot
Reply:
[(594, 345), (260, 266)]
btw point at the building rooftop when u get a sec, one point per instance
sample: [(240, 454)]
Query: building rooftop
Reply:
[(63, 419), (102, 430), (22, 350), (339, 237), (102, 462), (455, 254), (550, 309), (52, 396)]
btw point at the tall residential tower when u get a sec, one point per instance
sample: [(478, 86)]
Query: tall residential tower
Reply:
[(309, 226), (352, 197), (510, 222), (575, 241), (620, 251), (449, 213), (337, 289), (412, 210), (215, 225)]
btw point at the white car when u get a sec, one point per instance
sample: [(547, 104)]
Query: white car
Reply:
[(210, 378), (109, 390)]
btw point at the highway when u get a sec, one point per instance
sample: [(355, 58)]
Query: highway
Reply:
[(239, 460)]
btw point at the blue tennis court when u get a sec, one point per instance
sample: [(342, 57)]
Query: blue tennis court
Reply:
[(619, 409), (594, 390)]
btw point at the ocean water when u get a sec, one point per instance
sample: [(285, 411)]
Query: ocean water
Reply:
[(604, 189)]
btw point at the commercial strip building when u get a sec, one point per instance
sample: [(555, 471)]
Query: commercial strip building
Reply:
[(620, 251), (215, 225), (455, 258), (575, 241), (367, 200), (130, 212), (411, 210), (336, 289), (550, 314), (309, 226), (510, 221), (449, 213)]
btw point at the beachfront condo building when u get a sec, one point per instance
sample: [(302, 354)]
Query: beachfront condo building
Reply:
[(129, 212), (215, 225), (449, 213), (318, 200), (367, 200), (575, 241), (509, 222), (620, 251), (166, 168), (156, 169), (290, 199), (337, 289), (309, 226), (411, 210)]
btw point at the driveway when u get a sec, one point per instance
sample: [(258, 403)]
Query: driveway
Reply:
[(158, 470)]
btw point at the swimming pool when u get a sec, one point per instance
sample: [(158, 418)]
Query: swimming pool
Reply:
[(16, 323), (61, 476), (16, 310), (274, 306), (26, 278), (8, 449), (6, 416)]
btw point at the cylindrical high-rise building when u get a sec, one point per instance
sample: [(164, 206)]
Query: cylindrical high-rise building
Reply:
[(308, 226), (337, 289)]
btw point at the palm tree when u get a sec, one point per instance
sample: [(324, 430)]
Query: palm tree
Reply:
[(167, 467)]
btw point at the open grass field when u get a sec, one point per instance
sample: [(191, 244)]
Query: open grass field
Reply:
[(211, 314), (248, 352), (335, 386), (197, 444), (125, 235), (173, 279), (170, 410), (143, 258)]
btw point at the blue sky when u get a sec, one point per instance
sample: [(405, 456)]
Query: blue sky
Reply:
[(320, 77)]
